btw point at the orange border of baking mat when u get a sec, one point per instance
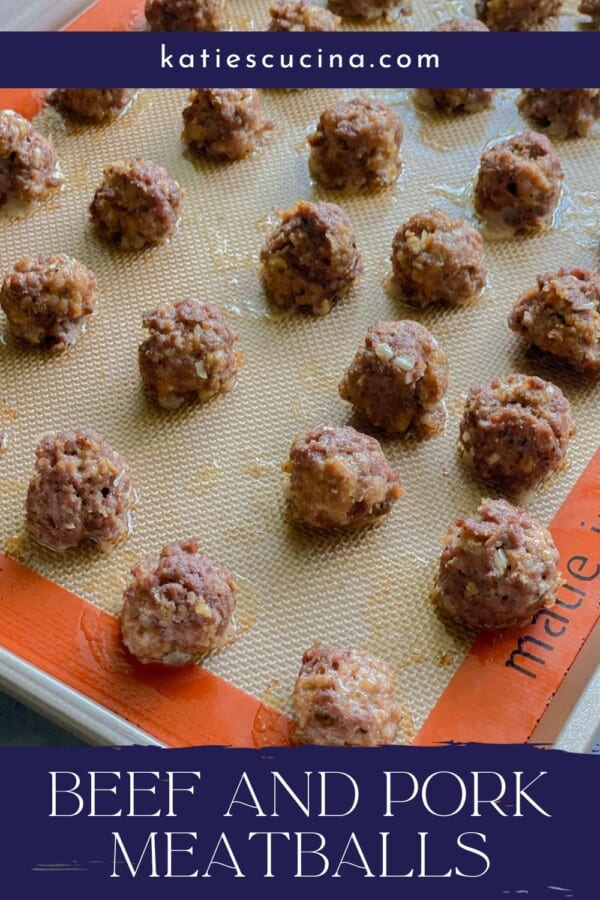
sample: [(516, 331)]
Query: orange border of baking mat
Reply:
[(504, 684)]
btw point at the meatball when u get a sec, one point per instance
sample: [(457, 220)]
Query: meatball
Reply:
[(498, 567), (516, 15), (81, 491), (188, 354), (591, 8), (300, 15), (185, 15), (566, 112), (561, 315), (437, 259), (456, 100), (398, 379), (28, 161), (515, 432), (92, 104), (356, 145), (137, 204), (371, 9), (343, 697), (339, 478), (519, 181), (179, 606), (223, 124), (311, 259), (46, 299)]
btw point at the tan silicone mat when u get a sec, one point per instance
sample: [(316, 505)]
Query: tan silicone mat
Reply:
[(215, 471)]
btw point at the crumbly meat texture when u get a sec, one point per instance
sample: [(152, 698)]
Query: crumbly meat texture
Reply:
[(189, 354), (224, 123), (179, 606), (186, 15), (437, 259), (339, 478), (311, 259), (516, 15), (519, 181), (398, 379), (299, 15), (344, 697), (46, 299), (591, 8), (565, 112), (80, 491), (561, 315), (356, 145), (515, 432), (371, 9), (92, 104), (136, 205), (498, 567), (28, 161)]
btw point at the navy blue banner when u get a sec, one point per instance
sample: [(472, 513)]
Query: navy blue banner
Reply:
[(452, 822), (261, 59)]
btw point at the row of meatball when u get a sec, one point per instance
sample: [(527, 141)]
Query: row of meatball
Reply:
[(302, 15)]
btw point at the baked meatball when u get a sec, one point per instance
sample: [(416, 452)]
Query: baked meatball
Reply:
[(185, 15), (398, 379), (300, 15), (46, 299), (356, 145), (515, 432), (516, 15), (565, 112), (189, 353), (591, 8), (28, 161), (80, 491), (92, 104), (223, 124), (456, 100), (498, 567), (371, 9), (561, 315), (339, 478), (519, 181), (343, 697), (437, 259), (136, 205), (179, 606), (311, 259)]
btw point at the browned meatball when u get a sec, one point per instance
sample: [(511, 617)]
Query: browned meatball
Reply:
[(561, 315), (185, 15), (224, 124), (356, 145), (566, 112), (47, 299), (516, 15), (80, 491), (189, 354), (398, 379), (371, 9), (300, 15), (92, 104), (28, 162), (498, 567), (339, 478), (519, 181), (456, 100), (179, 606), (343, 697), (437, 259), (137, 204), (515, 432), (311, 259), (591, 8)]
